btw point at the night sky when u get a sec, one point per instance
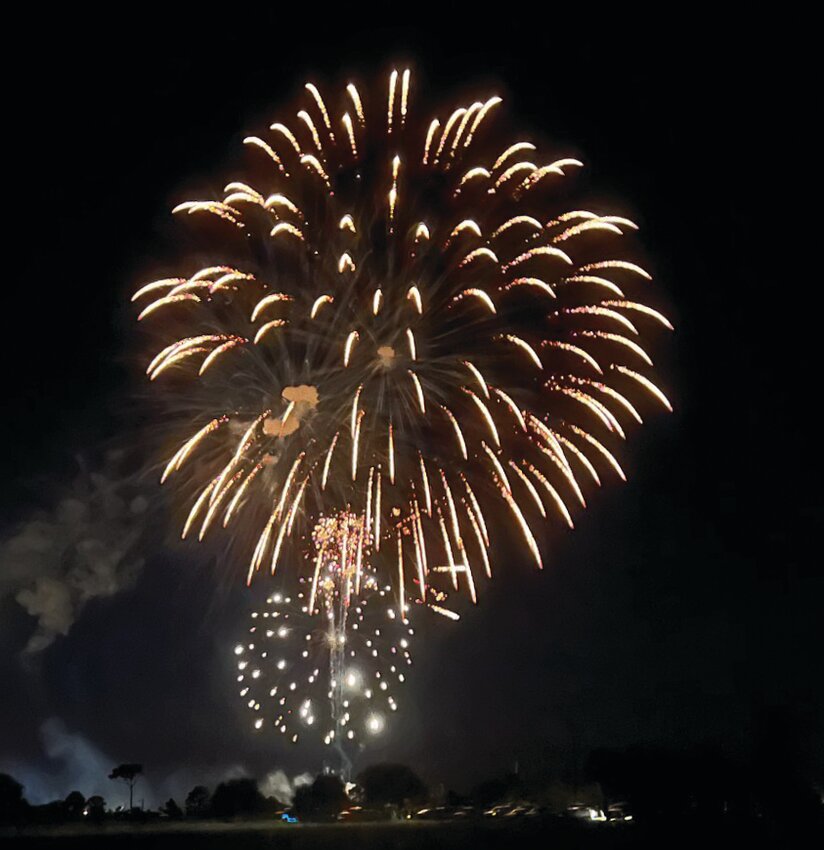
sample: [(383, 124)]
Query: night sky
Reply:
[(684, 609)]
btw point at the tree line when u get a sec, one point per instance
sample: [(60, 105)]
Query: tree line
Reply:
[(383, 785), (654, 784)]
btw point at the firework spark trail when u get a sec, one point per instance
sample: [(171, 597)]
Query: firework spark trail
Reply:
[(329, 657), (399, 321)]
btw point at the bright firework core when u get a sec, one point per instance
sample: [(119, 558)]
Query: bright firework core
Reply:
[(397, 341), (328, 660)]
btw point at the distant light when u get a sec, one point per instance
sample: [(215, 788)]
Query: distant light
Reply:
[(375, 724)]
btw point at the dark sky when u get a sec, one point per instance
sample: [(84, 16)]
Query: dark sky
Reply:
[(684, 608)]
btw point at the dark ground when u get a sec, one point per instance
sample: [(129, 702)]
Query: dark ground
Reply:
[(557, 834)]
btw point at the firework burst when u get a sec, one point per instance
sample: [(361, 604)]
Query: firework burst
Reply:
[(329, 658), (403, 322)]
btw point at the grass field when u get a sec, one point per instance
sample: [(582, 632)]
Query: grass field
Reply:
[(477, 835)]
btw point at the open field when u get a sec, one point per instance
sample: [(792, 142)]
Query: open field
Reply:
[(555, 834)]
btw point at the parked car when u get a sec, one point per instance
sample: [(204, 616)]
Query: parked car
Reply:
[(445, 813), (585, 813), (619, 813), (357, 814)]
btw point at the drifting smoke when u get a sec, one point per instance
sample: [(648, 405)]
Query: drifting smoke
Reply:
[(278, 785), (83, 548), (73, 763), (70, 761)]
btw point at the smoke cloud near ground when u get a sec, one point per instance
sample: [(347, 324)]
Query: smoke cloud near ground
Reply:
[(278, 785), (82, 547), (71, 762)]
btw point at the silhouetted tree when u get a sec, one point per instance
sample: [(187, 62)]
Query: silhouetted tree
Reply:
[(651, 779), (322, 800), (50, 813), (665, 784), (783, 771), (74, 804), (12, 804), (272, 804), (391, 784), (453, 798), (171, 809), (129, 774), (558, 796), (237, 797), (96, 806), (198, 802), (500, 790)]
